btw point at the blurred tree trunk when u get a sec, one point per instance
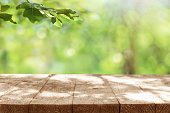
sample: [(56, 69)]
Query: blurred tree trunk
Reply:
[(129, 54), (129, 66)]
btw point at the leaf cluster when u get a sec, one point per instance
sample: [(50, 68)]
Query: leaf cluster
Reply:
[(37, 12), (5, 16)]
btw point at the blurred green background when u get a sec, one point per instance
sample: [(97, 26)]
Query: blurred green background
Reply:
[(115, 37)]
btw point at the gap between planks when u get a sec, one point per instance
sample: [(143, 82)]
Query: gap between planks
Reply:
[(39, 90)]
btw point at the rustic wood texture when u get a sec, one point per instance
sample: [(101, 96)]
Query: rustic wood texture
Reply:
[(93, 95), (18, 99), (56, 97), (157, 88), (84, 93), (130, 96)]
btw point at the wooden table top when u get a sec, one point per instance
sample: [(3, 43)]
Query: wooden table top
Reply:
[(81, 93)]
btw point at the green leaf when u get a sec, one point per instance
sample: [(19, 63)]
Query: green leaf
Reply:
[(24, 5), (41, 7), (4, 8), (53, 20), (56, 21), (33, 15), (54, 14), (36, 12), (7, 17), (68, 16), (65, 11)]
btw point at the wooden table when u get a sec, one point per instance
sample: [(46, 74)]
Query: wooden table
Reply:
[(84, 93)]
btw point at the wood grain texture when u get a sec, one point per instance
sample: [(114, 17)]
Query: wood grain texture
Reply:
[(13, 108), (163, 108), (137, 108), (17, 100), (55, 97), (6, 87), (50, 108), (131, 97), (84, 93), (8, 84), (94, 98), (157, 88)]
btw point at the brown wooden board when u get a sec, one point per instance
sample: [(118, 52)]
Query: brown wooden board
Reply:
[(84, 93), (7, 87), (17, 100), (158, 89), (94, 98), (85, 79), (130, 96), (55, 97)]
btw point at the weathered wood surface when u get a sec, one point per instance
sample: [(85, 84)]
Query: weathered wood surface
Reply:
[(130, 96), (22, 89), (55, 97), (93, 95), (84, 93)]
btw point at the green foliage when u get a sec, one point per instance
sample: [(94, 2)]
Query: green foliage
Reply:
[(114, 38), (5, 16), (33, 14), (56, 21), (37, 12), (4, 8)]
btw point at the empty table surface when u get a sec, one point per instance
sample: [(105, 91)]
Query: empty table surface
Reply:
[(81, 93)]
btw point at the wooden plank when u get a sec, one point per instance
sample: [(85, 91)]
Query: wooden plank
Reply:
[(85, 79), (131, 97), (17, 101), (163, 108), (8, 84), (7, 87), (55, 97), (158, 89), (13, 108), (94, 96)]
